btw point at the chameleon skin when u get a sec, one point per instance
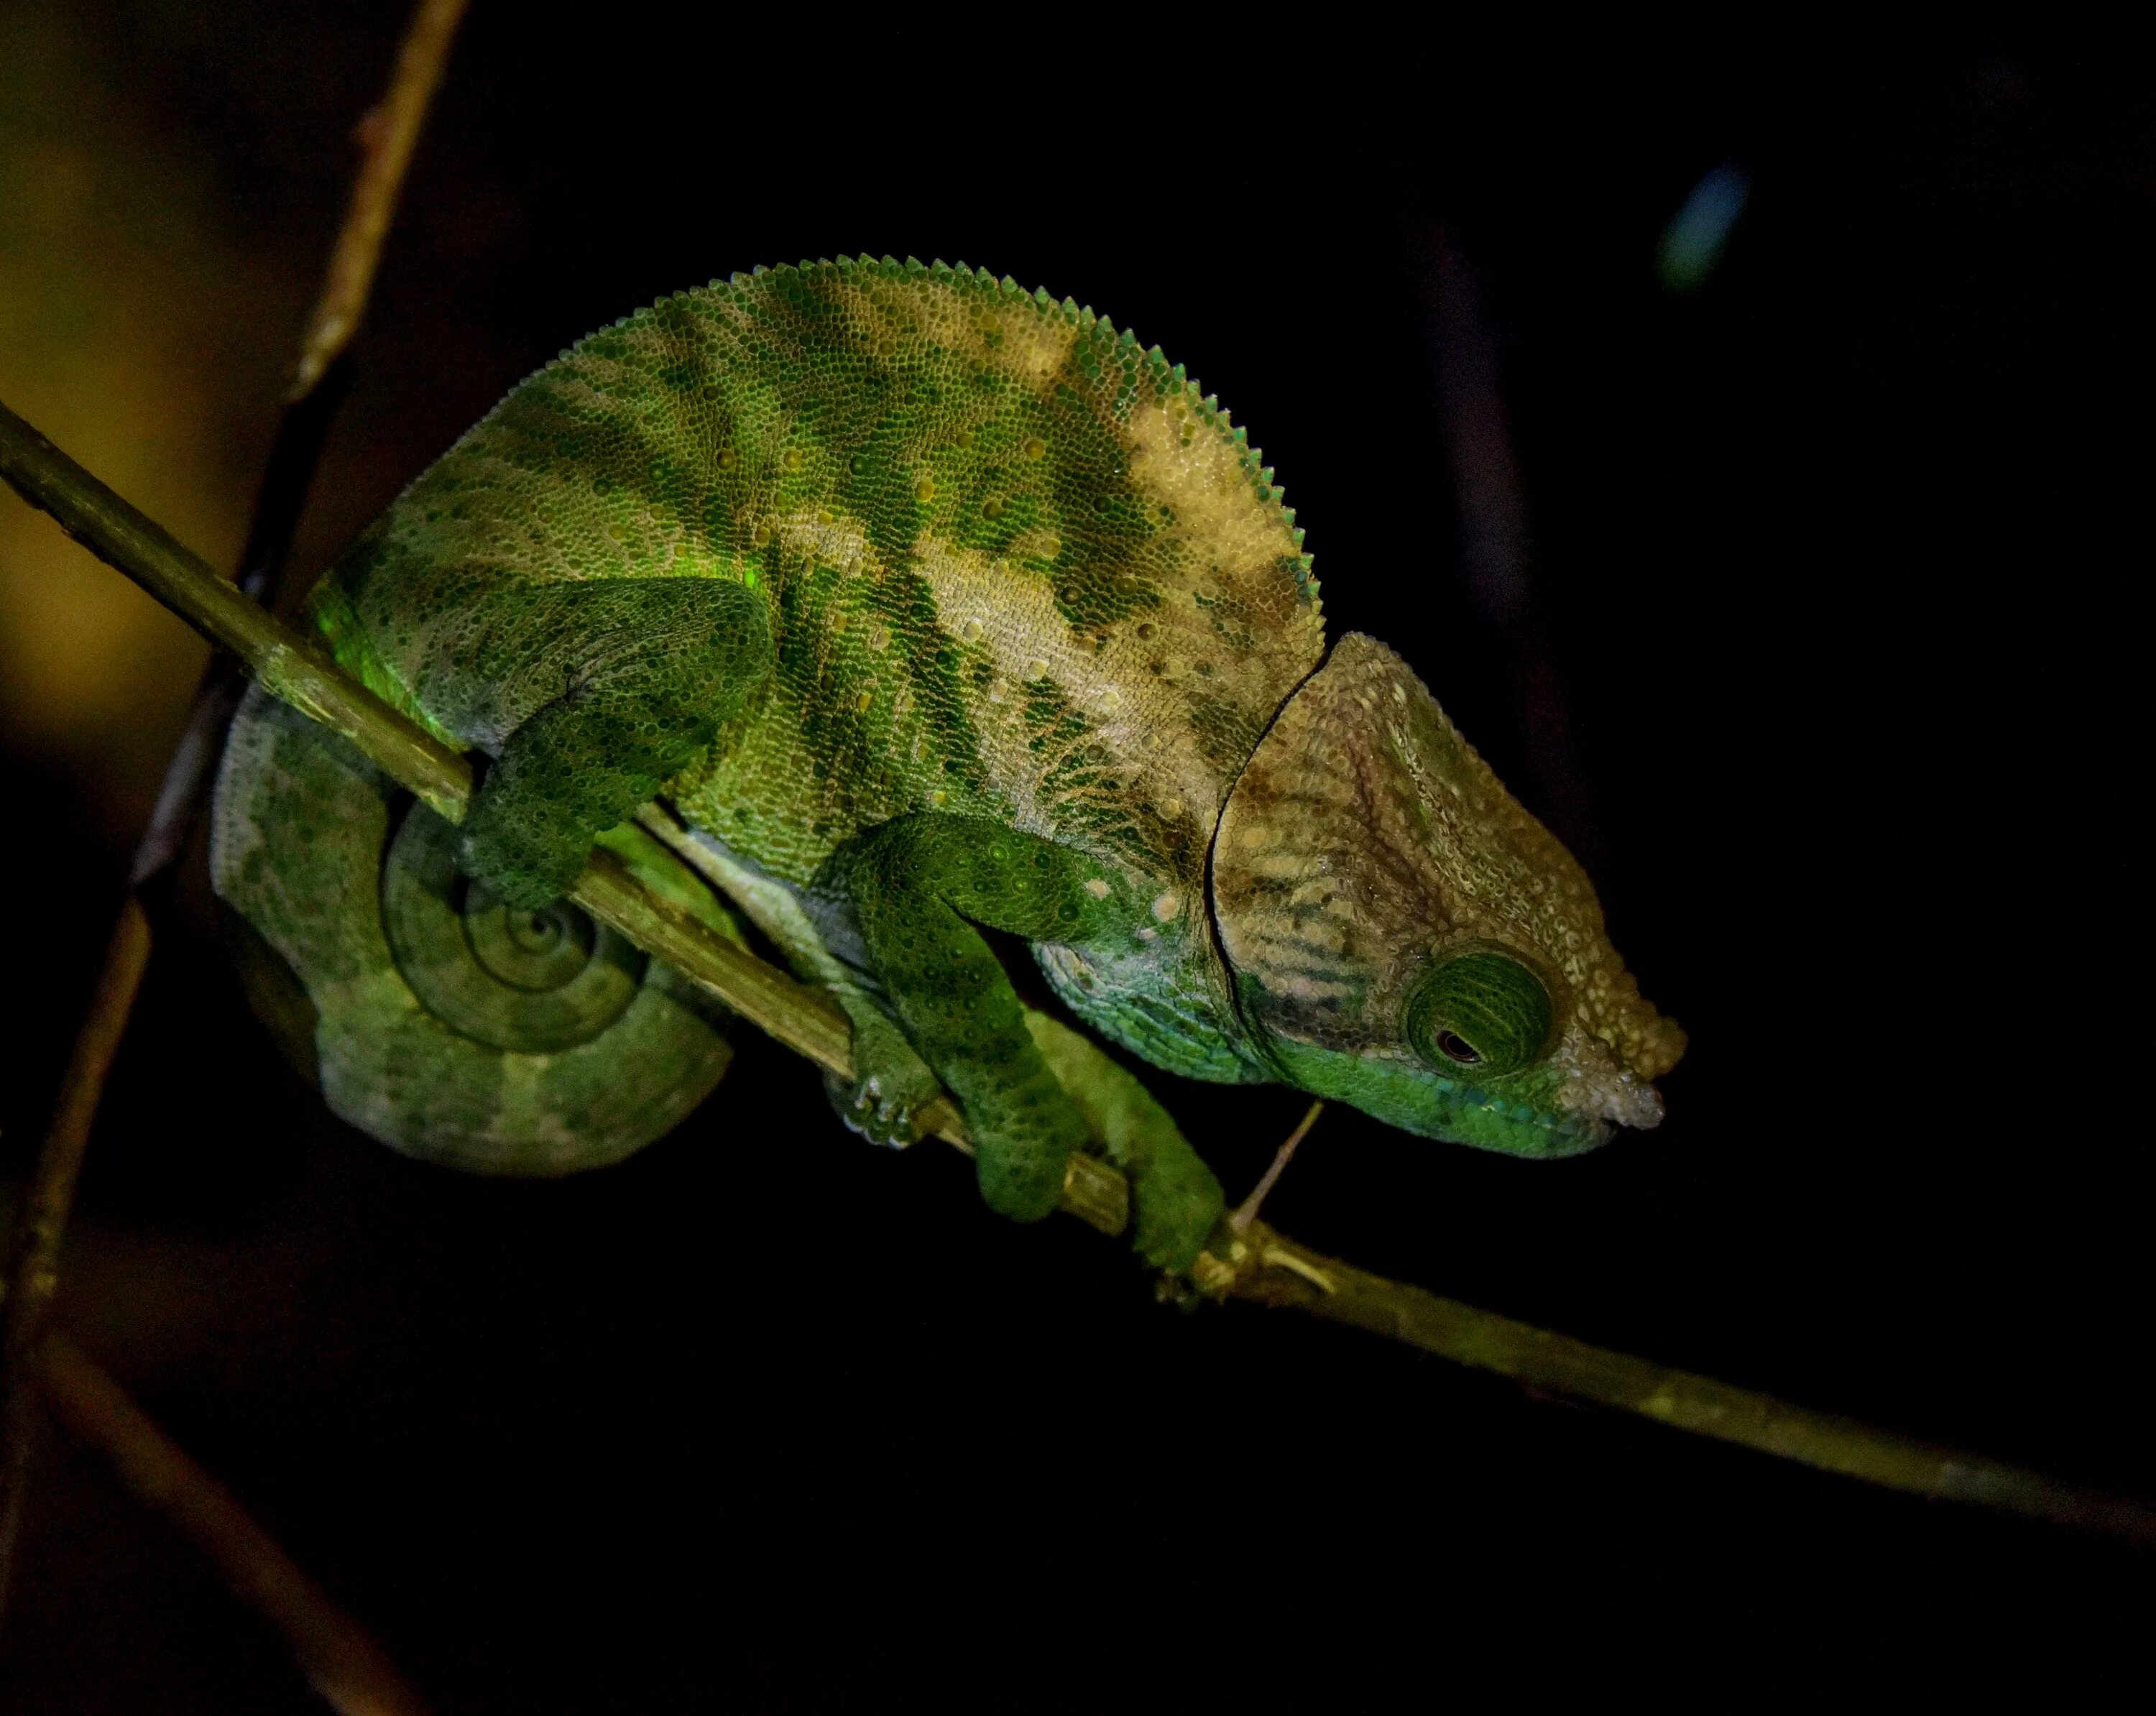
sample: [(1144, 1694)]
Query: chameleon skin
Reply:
[(931, 604), (306, 844)]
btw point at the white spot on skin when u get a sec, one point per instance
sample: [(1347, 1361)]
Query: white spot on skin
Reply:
[(1112, 698), (1097, 888), (1146, 932), (1166, 906), (971, 632), (1037, 668)]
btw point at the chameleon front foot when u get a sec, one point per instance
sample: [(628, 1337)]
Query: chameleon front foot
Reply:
[(890, 1085)]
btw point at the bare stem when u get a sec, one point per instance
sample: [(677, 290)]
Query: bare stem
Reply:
[(1274, 1270), (33, 1262), (1246, 1212), (347, 1667), (1260, 1265), (388, 136)]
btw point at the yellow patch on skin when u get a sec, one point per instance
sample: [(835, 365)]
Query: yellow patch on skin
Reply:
[(1026, 639), (1203, 486), (1012, 335), (1165, 907), (814, 533)]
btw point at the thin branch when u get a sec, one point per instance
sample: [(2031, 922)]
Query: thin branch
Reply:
[(34, 1271), (1246, 1212), (388, 136), (1273, 1269), (346, 1666), (1261, 1265)]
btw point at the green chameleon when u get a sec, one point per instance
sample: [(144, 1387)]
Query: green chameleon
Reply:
[(931, 606)]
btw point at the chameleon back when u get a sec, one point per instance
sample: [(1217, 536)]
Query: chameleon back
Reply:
[(1015, 565), (1015, 568)]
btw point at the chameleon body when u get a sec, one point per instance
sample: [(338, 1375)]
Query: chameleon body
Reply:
[(931, 605)]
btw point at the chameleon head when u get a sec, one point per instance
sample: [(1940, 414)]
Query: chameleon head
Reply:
[(1406, 937)]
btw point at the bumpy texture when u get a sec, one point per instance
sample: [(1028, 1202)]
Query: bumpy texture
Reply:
[(543, 1044), (934, 603), (1370, 861)]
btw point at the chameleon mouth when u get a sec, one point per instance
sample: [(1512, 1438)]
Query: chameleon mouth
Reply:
[(1598, 1087)]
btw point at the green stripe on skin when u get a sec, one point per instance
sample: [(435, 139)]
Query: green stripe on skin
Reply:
[(1511, 1113)]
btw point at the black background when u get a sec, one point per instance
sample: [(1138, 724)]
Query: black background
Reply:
[(766, 1420)]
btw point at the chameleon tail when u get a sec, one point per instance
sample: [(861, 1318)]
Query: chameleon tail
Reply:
[(444, 1024)]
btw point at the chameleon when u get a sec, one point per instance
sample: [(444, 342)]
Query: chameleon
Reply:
[(933, 608)]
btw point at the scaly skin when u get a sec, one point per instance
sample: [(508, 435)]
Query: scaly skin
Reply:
[(932, 604)]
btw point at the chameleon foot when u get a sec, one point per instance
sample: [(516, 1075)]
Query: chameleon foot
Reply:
[(890, 1082)]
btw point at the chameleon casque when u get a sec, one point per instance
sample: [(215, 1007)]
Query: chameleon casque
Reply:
[(930, 604)]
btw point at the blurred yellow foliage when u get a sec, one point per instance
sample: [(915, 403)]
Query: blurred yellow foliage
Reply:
[(143, 336)]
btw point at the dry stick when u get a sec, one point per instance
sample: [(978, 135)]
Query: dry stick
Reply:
[(346, 1666), (1246, 1212), (386, 138), (1259, 1265), (36, 1245)]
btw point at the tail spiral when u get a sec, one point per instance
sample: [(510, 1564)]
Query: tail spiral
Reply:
[(445, 1024)]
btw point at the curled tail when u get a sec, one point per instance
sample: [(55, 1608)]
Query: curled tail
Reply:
[(445, 1024)]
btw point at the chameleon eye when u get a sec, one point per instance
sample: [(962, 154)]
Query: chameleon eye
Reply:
[(1480, 1009)]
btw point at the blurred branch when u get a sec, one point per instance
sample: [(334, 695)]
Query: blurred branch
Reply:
[(1259, 1264), (387, 137), (346, 1666), (34, 1274)]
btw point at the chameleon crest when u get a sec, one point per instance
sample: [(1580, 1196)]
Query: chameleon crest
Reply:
[(930, 604)]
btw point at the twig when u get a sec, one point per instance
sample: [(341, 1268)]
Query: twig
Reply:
[(1246, 1212), (34, 1273), (1262, 1266), (346, 1666), (1274, 1270), (388, 136)]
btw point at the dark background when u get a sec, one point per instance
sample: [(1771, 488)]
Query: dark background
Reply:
[(1808, 631)]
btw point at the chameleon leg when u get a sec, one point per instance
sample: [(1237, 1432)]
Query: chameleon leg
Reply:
[(1177, 1197), (918, 886), (651, 668)]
